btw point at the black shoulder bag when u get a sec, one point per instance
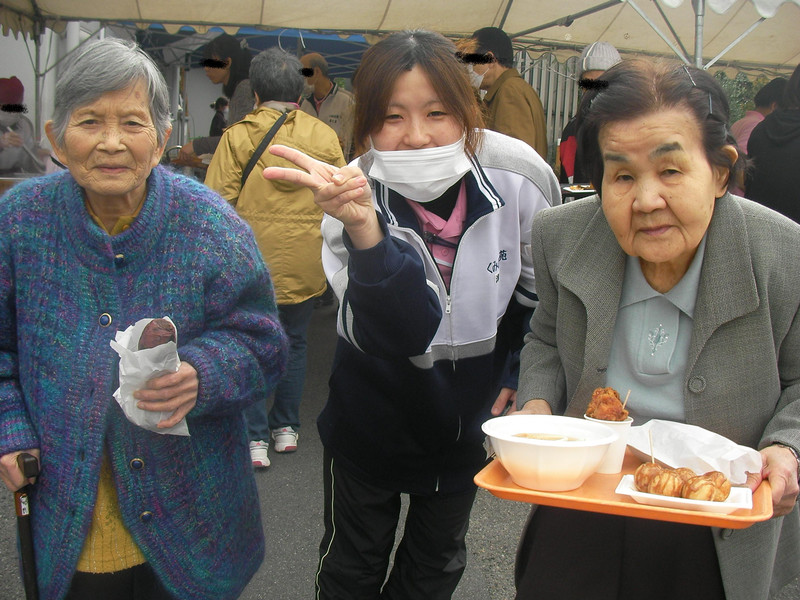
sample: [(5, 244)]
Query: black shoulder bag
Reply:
[(261, 147)]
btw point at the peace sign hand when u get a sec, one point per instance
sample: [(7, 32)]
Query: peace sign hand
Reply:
[(342, 193)]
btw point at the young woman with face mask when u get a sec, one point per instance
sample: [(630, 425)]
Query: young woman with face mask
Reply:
[(427, 246)]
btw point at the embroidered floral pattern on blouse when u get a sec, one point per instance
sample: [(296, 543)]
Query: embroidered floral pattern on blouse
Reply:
[(657, 338)]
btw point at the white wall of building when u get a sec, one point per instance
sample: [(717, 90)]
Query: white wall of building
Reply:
[(17, 56), (200, 93)]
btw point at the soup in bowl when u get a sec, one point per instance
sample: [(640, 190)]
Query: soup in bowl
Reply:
[(547, 452)]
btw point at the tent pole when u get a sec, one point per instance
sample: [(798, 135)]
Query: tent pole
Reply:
[(38, 33), (670, 27), (734, 42), (569, 19), (505, 14), (699, 14), (660, 33)]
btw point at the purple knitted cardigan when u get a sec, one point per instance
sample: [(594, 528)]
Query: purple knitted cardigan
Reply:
[(66, 287)]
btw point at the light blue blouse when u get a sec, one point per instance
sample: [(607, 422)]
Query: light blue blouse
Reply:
[(651, 342)]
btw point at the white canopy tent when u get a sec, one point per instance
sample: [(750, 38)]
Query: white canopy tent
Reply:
[(757, 36), (757, 33)]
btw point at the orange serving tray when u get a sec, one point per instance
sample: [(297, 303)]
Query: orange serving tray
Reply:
[(597, 494)]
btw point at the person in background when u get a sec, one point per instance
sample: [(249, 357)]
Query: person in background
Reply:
[(19, 153), (220, 120), (227, 62), (774, 147), (766, 100), (333, 105), (595, 59), (120, 511), (427, 248), (666, 285), (286, 223), (330, 103), (511, 105)]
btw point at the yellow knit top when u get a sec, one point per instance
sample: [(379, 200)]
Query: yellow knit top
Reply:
[(109, 546)]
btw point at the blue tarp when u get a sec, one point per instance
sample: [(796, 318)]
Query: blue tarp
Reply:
[(343, 53)]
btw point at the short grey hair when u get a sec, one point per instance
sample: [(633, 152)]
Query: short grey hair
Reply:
[(276, 75), (109, 65)]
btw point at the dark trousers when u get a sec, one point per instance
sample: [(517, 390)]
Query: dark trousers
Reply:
[(360, 524), (575, 555), (285, 411), (136, 583)]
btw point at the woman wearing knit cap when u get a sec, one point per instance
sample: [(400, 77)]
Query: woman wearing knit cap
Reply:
[(595, 59), (18, 152), (120, 511)]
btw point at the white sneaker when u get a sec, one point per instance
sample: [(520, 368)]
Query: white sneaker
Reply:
[(285, 439), (258, 454)]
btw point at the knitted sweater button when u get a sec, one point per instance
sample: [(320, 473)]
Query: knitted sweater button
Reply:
[(146, 516), (136, 464), (105, 320)]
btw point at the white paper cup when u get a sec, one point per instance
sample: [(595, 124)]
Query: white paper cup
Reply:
[(612, 462)]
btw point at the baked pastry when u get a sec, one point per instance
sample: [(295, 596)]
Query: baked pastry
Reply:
[(644, 474), (666, 483), (157, 332)]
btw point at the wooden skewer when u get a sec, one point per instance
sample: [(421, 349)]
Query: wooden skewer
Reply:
[(650, 437), (628, 395)]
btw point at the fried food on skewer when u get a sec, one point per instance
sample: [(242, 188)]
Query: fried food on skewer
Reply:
[(644, 474), (712, 486), (606, 405), (681, 483), (666, 483), (685, 473)]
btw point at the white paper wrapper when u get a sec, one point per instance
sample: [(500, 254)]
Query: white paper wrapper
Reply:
[(136, 368), (681, 445)]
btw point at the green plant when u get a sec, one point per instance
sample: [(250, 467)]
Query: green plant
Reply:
[(740, 91)]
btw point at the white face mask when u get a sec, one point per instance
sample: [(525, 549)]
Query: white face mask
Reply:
[(475, 79), (308, 89), (421, 175), (8, 119)]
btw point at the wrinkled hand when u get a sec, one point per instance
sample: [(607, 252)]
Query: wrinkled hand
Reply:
[(10, 472), (10, 138), (342, 193), (507, 398), (171, 392), (779, 467), (187, 151), (531, 407)]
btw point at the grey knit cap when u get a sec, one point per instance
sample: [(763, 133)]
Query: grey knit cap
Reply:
[(598, 56)]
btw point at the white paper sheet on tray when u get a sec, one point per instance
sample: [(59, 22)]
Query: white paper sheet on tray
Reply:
[(681, 445)]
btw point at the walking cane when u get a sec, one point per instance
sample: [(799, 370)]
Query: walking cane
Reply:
[(30, 468)]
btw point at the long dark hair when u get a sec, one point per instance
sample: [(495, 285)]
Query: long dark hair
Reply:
[(637, 87), (224, 47), (384, 62)]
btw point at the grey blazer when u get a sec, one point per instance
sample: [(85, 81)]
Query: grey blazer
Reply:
[(743, 371)]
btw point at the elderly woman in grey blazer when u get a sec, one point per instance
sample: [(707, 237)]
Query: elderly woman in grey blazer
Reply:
[(666, 285)]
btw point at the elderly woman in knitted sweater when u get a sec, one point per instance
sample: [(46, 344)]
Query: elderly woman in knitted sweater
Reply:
[(120, 511)]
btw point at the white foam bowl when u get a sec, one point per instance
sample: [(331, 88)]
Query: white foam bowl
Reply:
[(549, 465)]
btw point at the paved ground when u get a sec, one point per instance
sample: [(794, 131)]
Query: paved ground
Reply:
[(290, 492)]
